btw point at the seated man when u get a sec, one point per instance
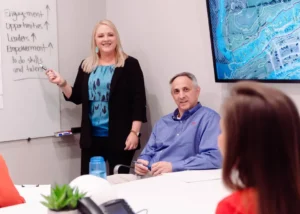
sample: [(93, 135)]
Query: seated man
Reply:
[(185, 139)]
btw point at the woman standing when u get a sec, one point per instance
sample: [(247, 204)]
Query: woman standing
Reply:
[(110, 87)]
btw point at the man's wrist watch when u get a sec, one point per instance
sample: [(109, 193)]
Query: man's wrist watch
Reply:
[(138, 134)]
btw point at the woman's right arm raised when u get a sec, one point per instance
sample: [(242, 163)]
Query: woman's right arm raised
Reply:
[(56, 78)]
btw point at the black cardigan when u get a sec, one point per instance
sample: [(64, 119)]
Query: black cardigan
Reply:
[(127, 103)]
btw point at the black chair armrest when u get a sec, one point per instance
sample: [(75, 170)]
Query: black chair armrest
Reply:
[(117, 167)]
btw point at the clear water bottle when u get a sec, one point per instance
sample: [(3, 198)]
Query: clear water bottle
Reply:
[(97, 167)]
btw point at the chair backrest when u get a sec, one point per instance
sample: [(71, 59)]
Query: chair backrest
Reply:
[(9, 195)]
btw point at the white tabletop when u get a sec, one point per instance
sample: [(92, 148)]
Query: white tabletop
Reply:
[(32, 196), (183, 192), (25, 208)]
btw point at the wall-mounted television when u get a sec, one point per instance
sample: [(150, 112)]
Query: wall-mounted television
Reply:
[(255, 40)]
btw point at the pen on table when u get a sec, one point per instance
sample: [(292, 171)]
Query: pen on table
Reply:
[(149, 167)]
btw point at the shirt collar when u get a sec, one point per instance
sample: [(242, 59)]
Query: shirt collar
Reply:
[(187, 113)]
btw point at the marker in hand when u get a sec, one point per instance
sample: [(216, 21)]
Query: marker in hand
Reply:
[(136, 162), (43, 67), (46, 69)]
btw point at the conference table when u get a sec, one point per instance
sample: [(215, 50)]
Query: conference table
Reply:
[(181, 192)]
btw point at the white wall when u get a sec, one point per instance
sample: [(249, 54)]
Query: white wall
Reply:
[(166, 36), (169, 37), (52, 160)]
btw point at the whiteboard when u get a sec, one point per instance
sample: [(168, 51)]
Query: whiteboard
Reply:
[(29, 104), (1, 82)]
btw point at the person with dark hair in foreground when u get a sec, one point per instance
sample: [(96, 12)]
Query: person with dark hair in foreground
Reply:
[(260, 143)]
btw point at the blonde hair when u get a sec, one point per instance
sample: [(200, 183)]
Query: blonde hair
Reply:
[(91, 62)]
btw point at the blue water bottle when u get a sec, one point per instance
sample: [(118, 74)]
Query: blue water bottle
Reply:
[(98, 167)]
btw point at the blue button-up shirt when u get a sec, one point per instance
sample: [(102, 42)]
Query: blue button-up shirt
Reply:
[(189, 143)]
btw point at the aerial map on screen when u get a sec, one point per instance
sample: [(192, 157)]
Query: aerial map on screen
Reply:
[(255, 39)]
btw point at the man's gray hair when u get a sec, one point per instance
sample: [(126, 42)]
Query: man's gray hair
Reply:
[(185, 74)]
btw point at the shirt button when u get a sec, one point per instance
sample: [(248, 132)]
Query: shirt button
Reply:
[(178, 134)]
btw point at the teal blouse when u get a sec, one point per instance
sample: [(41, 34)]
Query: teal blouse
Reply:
[(99, 90)]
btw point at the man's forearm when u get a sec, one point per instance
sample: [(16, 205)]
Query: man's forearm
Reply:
[(145, 157), (211, 160)]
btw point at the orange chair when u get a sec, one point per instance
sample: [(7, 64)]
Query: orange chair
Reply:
[(9, 195)]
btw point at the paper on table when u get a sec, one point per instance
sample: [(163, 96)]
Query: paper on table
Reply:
[(191, 176), (32, 193)]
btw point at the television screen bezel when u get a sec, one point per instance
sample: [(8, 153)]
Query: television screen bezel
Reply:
[(235, 80)]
